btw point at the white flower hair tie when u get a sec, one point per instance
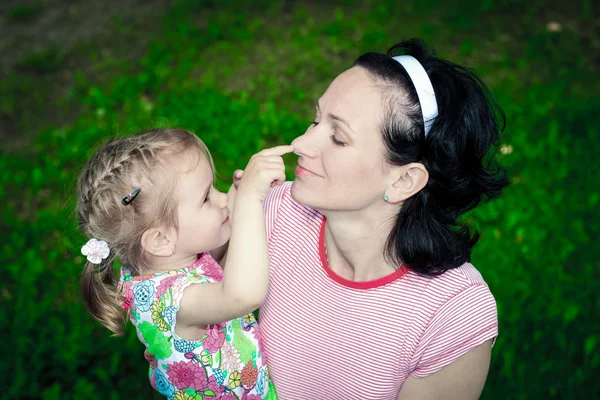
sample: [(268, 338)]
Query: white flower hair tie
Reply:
[(95, 250)]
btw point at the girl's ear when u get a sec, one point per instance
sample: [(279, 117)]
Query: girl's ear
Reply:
[(406, 181), (158, 242)]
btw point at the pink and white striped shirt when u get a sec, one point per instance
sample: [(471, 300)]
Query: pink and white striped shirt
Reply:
[(326, 337)]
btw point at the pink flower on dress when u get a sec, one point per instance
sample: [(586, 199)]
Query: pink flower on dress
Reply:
[(249, 375), (230, 357), (216, 389), (165, 284), (212, 269), (179, 285), (257, 336), (187, 375), (227, 396), (153, 379), (215, 338), (247, 396), (127, 296)]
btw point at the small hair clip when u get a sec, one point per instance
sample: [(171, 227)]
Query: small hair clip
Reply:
[(95, 250), (130, 197)]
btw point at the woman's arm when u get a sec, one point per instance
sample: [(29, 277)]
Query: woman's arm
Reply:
[(461, 380)]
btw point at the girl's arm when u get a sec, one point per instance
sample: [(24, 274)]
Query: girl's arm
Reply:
[(246, 274)]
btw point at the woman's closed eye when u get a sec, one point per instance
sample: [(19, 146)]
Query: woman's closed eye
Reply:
[(333, 138), (336, 141)]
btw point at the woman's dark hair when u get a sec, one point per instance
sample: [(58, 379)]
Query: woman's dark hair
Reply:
[(458, 152)]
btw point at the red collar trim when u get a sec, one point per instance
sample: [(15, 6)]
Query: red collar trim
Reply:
[(353, 284)]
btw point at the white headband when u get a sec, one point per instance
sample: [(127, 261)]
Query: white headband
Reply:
[(422, 84)]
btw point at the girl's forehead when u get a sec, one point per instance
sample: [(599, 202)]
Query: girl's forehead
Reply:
[(189, 160), (184, 168), (193, 175)]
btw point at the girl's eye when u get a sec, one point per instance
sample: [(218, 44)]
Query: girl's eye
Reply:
[(336, 141), (206, 199), (314, 123)]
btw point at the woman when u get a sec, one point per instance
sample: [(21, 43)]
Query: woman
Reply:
[(371, 293)]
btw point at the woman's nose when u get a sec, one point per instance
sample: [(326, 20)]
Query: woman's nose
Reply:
[(304, 145)]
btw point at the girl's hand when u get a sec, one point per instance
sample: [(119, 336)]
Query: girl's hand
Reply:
[(264, 170), (237, 177)]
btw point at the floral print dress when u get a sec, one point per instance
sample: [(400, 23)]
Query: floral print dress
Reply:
[(226, 363)]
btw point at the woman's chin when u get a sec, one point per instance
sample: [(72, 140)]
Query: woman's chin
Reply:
[(309, 195), (302, 193)]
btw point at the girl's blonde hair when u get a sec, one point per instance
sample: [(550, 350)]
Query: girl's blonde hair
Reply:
[(122, 165)]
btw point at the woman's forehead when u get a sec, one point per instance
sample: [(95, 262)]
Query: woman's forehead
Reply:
[(355, 79), (354, 96)]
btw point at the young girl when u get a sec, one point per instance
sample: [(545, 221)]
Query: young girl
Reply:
[(148, 200)]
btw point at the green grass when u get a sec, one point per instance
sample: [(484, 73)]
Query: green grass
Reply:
[(23, 13), (48, 59), (250, 76)]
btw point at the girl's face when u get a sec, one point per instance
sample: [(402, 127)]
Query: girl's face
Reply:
[(203, 213), (341, 164)]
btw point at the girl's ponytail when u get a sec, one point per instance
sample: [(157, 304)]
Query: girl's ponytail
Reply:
[(98, 290)]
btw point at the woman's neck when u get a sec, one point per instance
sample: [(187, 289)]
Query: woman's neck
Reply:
[(355, 246)]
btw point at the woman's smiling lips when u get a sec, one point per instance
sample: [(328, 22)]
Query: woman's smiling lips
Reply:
[(226, 220), (301, 171)]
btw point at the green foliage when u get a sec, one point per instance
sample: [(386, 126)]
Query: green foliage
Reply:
[(244, 78), (47, 59), (21, 13)]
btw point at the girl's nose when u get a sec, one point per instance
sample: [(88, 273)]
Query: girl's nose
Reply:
[(224, 199)]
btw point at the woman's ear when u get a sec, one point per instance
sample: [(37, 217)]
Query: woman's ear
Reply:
[(159, 242), (406, 180)]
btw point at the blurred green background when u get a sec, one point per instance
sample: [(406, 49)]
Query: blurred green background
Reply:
[(245, 75)]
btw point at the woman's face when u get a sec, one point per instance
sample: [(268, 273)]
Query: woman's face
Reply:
[(341, 164)]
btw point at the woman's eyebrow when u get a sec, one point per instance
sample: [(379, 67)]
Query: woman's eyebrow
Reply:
[(343, 121), (337, 118)]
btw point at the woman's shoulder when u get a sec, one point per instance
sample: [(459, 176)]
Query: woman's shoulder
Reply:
[(457, 313), (465, 275), (465, 280), (280, 193)]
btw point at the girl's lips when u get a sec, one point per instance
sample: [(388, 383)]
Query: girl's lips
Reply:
[(301, 171), (226, 220)]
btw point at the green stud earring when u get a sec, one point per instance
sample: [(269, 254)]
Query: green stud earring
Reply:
[(385, 198)]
